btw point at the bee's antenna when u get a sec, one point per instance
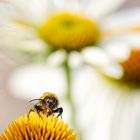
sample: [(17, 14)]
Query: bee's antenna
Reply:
[(35, 100)]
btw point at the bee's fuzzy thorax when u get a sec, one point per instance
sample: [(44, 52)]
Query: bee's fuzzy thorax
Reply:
[(49, 94)]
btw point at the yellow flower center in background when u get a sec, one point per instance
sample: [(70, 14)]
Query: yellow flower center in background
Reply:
[(131, 67), (69, 31), (37, 128)]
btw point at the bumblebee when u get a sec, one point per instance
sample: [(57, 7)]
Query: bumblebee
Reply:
[(47, 104)]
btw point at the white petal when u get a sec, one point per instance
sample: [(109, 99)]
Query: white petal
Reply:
[(36, 46), (60, 4), (90, 99), (75, 59), (5, 15), (113, 70), (33, 11), (12, 30), (96, 56), (66, 5), (91, 8), (119, 51), (122, 20), (21, 39), (98, 8), (57, 58), (132, 39), (83, 81), (119, 47), (31, 81)]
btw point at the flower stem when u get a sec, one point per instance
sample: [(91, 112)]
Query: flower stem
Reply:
[(69, 98)]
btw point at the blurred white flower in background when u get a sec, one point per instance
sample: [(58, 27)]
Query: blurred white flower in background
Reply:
[(21, 21), (116, 83)]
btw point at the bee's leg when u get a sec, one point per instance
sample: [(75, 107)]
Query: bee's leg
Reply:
[(37, 109), (38, 112), (59, 111), (31, 110)]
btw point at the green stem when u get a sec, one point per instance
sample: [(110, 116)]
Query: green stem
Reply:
[(69, 98)]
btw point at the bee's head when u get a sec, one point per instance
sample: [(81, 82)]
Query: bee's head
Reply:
[(51, 101)]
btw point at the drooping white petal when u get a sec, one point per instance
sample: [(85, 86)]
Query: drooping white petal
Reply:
[(96, 56), (31, 81), (98, 8), (113, 70), (83, 81), (75, 59), (119, 51), (57, 58)]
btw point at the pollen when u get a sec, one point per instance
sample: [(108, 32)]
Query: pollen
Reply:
[(38, 128), (69, 31), (131, 66)]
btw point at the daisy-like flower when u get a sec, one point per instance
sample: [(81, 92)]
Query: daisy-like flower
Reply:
[(39, 28), (37, 128), (116, 80)]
